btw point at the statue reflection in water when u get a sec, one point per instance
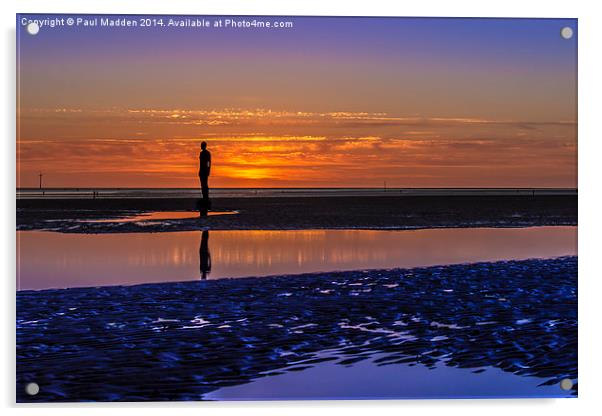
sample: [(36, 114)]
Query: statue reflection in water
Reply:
[(204, 255)]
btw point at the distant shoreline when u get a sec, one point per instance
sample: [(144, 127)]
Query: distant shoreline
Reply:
[(111, 193), (292, 212)]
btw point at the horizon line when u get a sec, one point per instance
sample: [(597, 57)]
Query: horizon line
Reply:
[(299, 188)]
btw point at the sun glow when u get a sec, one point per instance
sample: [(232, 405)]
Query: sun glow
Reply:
[(264, 148)]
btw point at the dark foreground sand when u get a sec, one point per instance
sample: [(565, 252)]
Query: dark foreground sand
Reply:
[(182, 340), (288, 213)]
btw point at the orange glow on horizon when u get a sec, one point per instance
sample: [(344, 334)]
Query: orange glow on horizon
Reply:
[(263, 148)]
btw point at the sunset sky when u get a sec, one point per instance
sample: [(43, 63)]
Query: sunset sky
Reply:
[(331, 102)]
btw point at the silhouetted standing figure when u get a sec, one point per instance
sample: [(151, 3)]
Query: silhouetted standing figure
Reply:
[(204, 171), (204, 255)]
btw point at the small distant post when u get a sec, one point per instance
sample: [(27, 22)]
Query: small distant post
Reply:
[(40, 175)]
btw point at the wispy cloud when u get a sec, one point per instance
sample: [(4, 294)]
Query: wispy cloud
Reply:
[(260, 116), (148, 147)]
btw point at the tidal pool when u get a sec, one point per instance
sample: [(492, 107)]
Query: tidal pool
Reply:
[(61, 260), (366, 380), (160, 216)]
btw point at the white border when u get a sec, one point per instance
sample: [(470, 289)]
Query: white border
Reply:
[(590, 68)]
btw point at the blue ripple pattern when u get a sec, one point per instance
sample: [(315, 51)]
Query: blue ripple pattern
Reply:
[(179, 341)]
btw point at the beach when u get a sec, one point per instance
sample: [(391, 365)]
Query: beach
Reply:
[(184, 340), (315, 212), (506, 328), (344, 208)]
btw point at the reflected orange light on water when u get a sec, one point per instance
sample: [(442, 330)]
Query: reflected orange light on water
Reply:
[(48, 260)]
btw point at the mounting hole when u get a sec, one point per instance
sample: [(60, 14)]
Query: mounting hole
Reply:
[(32, 389), (566, 32), (33, 28), (566, 384)]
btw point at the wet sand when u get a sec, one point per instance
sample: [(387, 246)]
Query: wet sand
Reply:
[(183, 340), (291, 213)]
